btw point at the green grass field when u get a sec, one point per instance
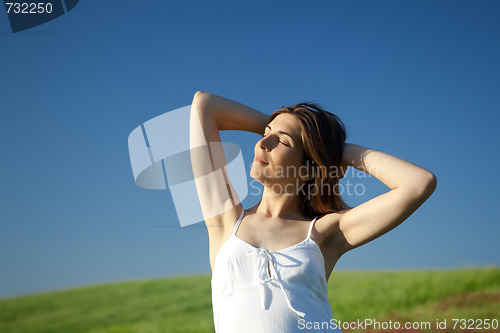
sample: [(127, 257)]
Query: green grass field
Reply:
[(184, 304)]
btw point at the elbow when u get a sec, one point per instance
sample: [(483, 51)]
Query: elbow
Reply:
[(198, 96), (430, 182), (201, 97), (200, 101), (433, 182), (425, 184)]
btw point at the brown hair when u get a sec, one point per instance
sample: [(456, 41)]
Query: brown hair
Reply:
[(323, 137)]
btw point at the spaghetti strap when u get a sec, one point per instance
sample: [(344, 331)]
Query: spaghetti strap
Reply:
[(239, 221), (311, 227)]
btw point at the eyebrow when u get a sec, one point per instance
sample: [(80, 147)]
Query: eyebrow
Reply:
[(282, 132)]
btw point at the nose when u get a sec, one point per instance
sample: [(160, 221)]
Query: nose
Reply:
[(267, 143)]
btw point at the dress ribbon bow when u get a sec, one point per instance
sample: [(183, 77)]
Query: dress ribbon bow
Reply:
[(265, 260)]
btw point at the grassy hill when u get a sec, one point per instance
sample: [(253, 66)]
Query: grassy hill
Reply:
[(183, 304)]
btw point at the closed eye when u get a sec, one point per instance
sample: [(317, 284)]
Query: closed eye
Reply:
[(282, 133), (286, 144), (283, 143)]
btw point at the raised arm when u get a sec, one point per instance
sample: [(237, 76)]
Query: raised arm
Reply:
[(410, 186), (210, 114)]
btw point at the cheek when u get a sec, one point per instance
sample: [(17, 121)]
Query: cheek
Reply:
[(293, 159)]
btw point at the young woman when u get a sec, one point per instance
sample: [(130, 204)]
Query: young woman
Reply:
[(271, 263)]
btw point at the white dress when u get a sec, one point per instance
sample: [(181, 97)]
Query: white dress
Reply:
[(257, 291)]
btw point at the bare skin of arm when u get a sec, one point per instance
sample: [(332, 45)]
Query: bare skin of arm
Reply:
[(410, 187), (220, 206)]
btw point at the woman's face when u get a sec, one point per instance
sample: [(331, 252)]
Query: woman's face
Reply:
[(279, 155)]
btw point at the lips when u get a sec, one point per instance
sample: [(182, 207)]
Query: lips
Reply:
[(260, 160)]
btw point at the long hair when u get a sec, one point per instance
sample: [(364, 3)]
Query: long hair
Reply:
[(323, 136)]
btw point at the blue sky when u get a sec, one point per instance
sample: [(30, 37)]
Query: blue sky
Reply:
[(416, 79)]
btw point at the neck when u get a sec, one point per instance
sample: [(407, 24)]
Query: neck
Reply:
[(282, 204)]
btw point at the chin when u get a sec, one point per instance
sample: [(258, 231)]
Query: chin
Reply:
[(257, 175)]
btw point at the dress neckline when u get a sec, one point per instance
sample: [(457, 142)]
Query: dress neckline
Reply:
[(240, 219), (286, 248)]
